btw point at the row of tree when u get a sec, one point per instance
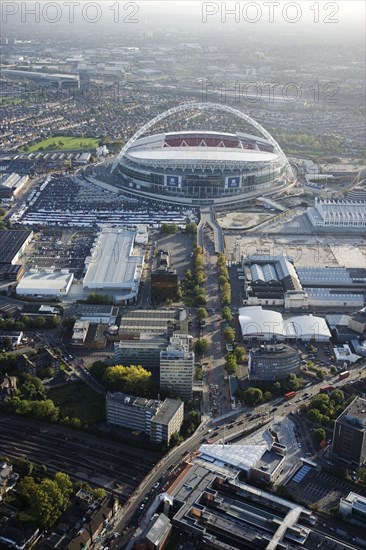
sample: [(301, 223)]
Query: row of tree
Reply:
[(30, 323), (224, 280)]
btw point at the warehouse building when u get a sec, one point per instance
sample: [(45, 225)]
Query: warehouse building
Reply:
[(338, 213), (157, 419), (45, 284), (273, 362), (115, 266), (97, 313), (13, 245)]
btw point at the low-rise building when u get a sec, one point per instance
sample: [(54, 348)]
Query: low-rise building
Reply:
[(338, 213), (45, 284), (106, 314), (79, 332), (353, 508), (157, 533), (15, 337), (35, 364)]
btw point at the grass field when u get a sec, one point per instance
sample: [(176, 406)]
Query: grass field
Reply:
[(80, 401), (61, 143)]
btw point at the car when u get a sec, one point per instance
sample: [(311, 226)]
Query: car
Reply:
[(299, 445), (156, 485), (142, 506)]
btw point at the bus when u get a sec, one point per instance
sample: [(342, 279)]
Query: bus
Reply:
[(289, 395), (326, 389), (343, 374)]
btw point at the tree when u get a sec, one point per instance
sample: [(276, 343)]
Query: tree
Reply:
[(226, 314), (267, 395), (97, 370), (315, 416), (276, 388), (201, 313), (99, 493), (337, 396), (201, 346), (134, 379), (32, 388), (175, 439), (169, 228), (231, 364), (6, 344), (292, 383), (229, 335), (319, 435), (191, 228), (23, 466), (222, 280), (252, 396), (239, 353)]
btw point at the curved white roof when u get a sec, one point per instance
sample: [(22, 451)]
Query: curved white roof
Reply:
[(264, 323), (202, 154)]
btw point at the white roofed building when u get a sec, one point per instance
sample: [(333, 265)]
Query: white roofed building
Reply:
[(259, 324), (46, 283), (338, 213), (115, 264)]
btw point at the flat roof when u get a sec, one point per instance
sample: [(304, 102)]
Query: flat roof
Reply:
[(41, 280), (11, 242), (167, 411), (355, 414), (112, 264)]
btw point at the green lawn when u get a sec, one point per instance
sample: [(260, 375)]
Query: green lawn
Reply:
[(80, 401), (60, 143)]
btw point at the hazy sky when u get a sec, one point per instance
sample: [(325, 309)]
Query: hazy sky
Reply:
[(300, 16)]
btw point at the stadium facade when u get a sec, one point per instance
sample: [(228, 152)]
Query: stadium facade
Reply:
[(196, 167)]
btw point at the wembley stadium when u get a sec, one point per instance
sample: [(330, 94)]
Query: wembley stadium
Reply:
[(198, 167)]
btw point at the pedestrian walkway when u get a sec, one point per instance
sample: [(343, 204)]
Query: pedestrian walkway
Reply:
[(208, 217)]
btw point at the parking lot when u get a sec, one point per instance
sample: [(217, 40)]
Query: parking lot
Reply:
[(320, 489), (61, 250)]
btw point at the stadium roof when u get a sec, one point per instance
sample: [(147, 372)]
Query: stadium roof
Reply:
[(112, 264), (204, 153)]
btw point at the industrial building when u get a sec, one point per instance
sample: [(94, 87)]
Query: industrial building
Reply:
[(157, 322), (338, 213), (13, 245), (159, 420), (273, 362), (177, 367), (263, 325), (353, 508), (45, 284), (115, 265), (11, 184), (97, 313), (349, 436)]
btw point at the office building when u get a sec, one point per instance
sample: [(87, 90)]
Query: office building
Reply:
[(167, 421), (157, 419), (144, 352), (349, 436), (353, 509), (273, 362), (177, 367)]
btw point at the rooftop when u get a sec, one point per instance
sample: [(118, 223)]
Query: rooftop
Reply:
[(38, 280), (355, 414), (166, 412), (11, 242), (112, 263)]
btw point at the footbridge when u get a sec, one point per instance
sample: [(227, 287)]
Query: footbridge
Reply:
[(208, 217)]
